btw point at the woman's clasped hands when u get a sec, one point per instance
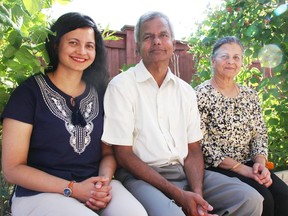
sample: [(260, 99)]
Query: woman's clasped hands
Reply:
[(95, 192)]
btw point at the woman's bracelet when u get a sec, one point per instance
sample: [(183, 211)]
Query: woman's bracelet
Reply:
[(235, 166), (263, 156)]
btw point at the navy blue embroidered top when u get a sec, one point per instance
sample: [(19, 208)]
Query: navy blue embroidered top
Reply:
[(57, 146)]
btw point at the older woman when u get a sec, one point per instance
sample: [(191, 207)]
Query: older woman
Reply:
[(235, 136)]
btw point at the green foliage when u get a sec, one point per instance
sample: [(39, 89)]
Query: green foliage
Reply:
[(108, 34), (125, 67), (5, 191), (256, 24), (23, 31)]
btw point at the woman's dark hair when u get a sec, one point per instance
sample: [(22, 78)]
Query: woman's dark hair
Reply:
[(225, 40), (96, 74)]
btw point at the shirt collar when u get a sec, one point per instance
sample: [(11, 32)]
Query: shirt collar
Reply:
[(142, 74)]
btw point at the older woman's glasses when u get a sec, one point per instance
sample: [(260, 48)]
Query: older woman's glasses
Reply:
[(225, 57)]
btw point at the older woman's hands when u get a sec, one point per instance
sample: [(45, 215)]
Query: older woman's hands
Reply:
[(258, 172), (262, 172)]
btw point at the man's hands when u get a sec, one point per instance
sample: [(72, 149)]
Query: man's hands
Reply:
[(194, 205)]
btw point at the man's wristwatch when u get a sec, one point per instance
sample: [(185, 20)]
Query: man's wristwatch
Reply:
[(69, 189)]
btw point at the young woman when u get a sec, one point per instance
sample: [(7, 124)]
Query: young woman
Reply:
[(52, 126)]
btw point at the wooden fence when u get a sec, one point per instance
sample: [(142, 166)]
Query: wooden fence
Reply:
[(123, 52)]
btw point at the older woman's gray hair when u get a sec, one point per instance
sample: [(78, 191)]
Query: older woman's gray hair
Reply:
[(149, 16), (225, 40)]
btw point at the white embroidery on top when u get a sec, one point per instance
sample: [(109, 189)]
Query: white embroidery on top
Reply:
[(80, 136)]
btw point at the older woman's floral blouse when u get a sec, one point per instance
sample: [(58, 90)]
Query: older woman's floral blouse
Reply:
[(232, 127)]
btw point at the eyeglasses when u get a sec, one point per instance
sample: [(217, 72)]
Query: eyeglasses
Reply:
[(225, 57)]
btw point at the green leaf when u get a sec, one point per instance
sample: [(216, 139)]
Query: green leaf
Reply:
[(33, 6), (254, 80), (5, 20), (268, 112), (38, 34), (273, 121), (4, 10), (62, 2), (13, 65), (248, 52), (24, 56), (10, 51), (15, 38)]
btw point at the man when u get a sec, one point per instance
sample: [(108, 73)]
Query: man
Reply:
[(152, 121)]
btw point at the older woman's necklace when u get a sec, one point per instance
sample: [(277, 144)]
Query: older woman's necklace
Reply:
[(232, 94)]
